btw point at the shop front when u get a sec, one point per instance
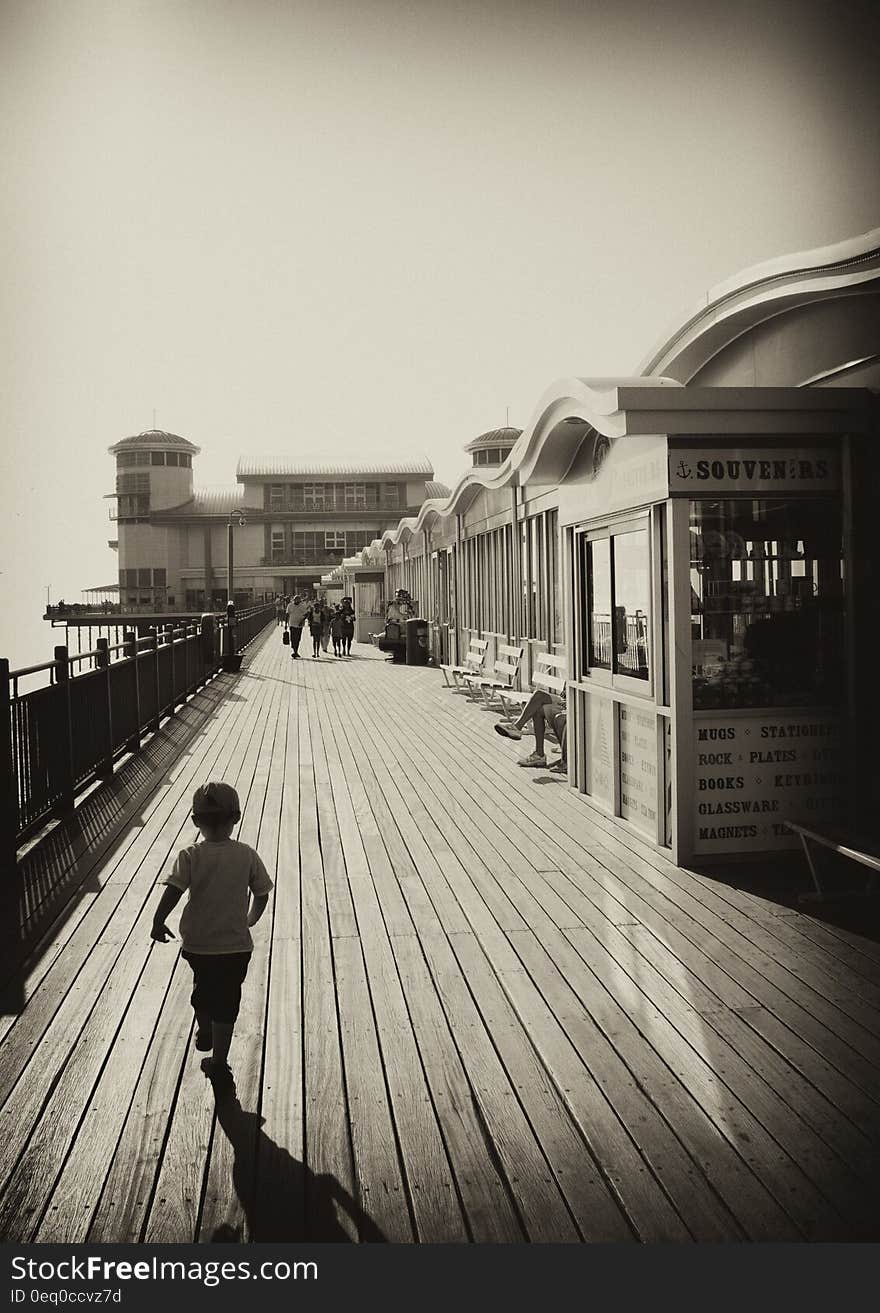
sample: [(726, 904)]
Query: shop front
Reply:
[(716, 607)]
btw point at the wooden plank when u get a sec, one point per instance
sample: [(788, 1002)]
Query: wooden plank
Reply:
[(508, 1135), (328, 1152), (280, 1173), (743, 1163), (127, 1191), (658, 971), (490, 1213), (72, 1202), (381, 1190), (590, 1199)]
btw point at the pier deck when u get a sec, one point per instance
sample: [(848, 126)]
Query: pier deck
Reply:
[(476, 1009)]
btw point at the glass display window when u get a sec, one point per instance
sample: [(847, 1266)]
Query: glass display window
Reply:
[(616, 583), (767, 595)]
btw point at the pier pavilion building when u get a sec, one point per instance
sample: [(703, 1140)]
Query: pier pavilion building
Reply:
[(292, 521)]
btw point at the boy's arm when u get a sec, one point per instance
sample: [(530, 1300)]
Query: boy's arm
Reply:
[(171, 896), (258, 907)]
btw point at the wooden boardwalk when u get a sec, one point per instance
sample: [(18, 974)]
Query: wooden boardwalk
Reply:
[(476, 1010)]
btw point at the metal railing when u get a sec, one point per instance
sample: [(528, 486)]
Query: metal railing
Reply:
[(58, 739)]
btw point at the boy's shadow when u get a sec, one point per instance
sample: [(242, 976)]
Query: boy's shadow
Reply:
[(282, 1199)]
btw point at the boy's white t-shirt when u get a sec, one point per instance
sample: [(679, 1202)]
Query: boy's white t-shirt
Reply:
[(219, 877)]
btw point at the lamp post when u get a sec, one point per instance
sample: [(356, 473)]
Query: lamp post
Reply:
[(230, 662)]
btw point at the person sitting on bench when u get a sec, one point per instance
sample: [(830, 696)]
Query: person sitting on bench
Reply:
[(543, 710), (394, 640)]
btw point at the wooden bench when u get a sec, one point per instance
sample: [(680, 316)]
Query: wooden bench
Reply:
[(473, 664), (867, 853), (549, 676), (504, 672)]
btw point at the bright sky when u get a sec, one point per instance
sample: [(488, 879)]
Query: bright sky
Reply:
[(369, 226)]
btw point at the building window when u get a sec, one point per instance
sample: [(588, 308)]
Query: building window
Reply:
[(313, 496), (132, 483), (355, 496), (144, 578), (171, 458), (125, 459), (159, 578), (277, 543), (276, 496), (334, 540), (186, 460), (157, 457), (390, 494)]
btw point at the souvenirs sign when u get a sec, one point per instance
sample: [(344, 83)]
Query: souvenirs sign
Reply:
[(755, 772), (756, 470)]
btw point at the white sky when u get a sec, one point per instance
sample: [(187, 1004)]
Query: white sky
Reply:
[(305, 226)]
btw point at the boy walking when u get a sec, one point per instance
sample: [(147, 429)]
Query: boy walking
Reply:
[(221, 876)]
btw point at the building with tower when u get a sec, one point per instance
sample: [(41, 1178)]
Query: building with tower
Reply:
[(293, 521)]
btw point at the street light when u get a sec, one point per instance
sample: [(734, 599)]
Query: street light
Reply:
[(230, 586)]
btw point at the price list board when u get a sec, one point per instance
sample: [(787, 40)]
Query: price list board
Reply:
[(753, 773), (599, 738), (638, 768)]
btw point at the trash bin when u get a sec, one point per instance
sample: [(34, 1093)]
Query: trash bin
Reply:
[(417, 642)]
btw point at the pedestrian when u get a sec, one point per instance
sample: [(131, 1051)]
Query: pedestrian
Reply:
[(336, 625), (326, 617), (228, 888), (347, 625), (316, 626), (296, 614)]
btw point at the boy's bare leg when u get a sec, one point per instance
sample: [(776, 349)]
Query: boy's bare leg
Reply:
[(203, 1031), (222, 1040)]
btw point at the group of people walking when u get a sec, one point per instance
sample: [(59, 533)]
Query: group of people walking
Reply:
[(326, 623)]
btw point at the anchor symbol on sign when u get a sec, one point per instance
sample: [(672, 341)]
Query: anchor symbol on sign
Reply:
[(684, 470)]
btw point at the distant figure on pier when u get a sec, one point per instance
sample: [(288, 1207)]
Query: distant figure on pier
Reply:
[(336, 622), (296, 614), (316, 627), (347, 625), (221, 876), (279, 610)]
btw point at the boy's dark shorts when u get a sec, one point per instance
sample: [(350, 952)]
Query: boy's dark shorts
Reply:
[(217, 981)]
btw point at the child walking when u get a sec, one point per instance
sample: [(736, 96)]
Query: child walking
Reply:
[(221, 876)]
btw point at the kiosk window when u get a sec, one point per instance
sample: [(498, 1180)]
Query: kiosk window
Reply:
[(632, 591), (618, 580), (599, 603), (767, 592)]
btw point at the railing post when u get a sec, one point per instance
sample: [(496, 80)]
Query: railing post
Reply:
[(130, 653), (102, 662), (153, 646), (169, 639), (65, 736), (9, 816)]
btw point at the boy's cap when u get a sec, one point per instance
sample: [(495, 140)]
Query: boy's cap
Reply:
[(216, 799)]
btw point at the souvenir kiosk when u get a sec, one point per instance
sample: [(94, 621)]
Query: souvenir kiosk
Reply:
[(719, 614)]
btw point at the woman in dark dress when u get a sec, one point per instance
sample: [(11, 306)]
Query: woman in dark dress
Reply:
[(347, 625)]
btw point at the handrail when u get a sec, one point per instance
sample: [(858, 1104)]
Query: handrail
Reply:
[(58, 739)]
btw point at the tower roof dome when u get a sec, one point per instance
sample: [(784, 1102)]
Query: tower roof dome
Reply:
[(503, 437), (157, 439)]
